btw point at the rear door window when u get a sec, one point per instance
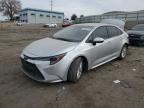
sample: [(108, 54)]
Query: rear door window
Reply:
[(114, 31)]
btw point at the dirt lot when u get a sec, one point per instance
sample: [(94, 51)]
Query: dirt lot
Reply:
[(95, 90)]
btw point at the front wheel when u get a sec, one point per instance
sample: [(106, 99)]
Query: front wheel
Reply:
[(75, 70), (123, 53)]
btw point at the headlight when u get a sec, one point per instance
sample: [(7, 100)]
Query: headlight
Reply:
[(53, 60)]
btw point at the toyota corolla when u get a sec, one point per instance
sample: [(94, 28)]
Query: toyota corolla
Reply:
[(73, 50)]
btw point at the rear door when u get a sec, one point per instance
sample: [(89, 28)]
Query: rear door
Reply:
[(115, 39)]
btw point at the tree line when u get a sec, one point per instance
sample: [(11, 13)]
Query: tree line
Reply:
[(10, 8)]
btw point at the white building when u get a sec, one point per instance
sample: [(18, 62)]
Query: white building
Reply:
[(36, 16)]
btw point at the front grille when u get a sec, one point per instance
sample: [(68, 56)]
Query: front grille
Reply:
[(135, 36), (32, 70)]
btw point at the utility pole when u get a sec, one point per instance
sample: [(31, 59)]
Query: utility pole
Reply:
[(51, 5)]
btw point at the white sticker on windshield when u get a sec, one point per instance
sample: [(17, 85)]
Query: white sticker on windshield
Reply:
[(87, 29)]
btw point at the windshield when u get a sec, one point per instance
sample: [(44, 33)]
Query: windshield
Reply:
[(73, 33), (138, 28)]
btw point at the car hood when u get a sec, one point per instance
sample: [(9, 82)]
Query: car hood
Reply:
[(135, 32), (48, 47)]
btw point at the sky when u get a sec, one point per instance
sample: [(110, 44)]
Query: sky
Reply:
[(85, 7)]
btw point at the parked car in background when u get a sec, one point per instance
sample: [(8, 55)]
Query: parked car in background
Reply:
[(52, 25), (19, 23), (136, 35), (73, 50), (67, 23)]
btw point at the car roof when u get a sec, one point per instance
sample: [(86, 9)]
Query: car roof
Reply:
[(91, 24), (111, 22), (94, 24)]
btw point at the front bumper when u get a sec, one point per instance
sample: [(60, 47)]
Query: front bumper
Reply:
[(41, 71)]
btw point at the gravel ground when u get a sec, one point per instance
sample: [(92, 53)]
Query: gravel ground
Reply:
[(95, 90)]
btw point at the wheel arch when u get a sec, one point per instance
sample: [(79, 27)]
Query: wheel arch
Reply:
[(86, 63), (126, 44)]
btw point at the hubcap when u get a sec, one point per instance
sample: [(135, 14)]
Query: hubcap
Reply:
[(124, 52), (79, 71)]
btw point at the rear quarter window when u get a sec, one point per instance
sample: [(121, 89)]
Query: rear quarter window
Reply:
[(119, 32)]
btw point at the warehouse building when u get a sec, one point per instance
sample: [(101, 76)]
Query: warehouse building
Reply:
[(36, 16)]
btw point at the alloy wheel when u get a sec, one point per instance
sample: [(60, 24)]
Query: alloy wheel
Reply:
[(79, 70), (124, 52)]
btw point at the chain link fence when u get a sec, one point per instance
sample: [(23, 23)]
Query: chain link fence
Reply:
[(131, 18)]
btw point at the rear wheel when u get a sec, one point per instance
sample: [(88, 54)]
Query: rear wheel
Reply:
[(123, 53), (75, 70)]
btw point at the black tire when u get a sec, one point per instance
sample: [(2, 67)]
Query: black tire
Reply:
[(123, 53), (73, 70)]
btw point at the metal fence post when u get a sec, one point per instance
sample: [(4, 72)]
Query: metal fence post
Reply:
[(137, 18)]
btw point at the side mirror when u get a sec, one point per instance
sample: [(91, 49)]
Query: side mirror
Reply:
[(98, 40)]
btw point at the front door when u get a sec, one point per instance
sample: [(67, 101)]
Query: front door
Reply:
[(100, 52)]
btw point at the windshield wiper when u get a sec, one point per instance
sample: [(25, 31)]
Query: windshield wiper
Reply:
[(63, 39)]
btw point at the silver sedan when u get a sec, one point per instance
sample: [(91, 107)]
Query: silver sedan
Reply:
[(73, 50)]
